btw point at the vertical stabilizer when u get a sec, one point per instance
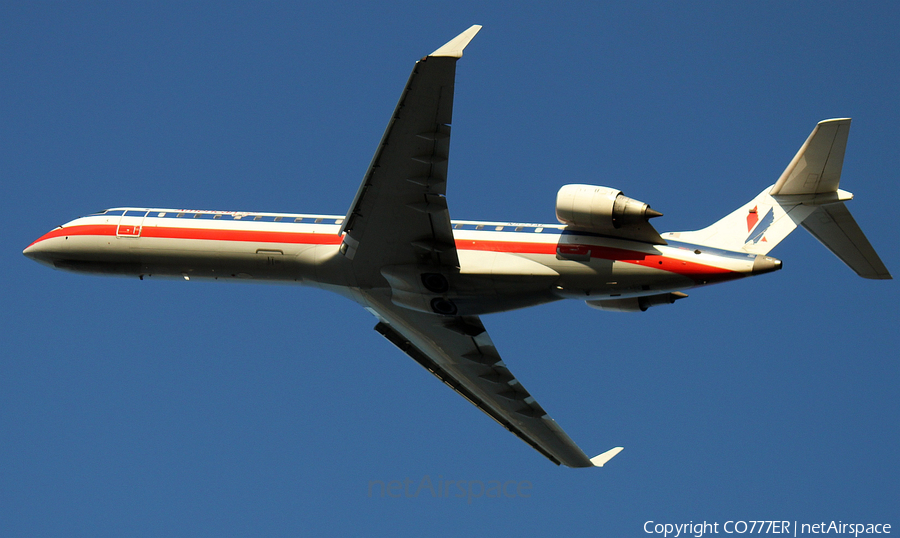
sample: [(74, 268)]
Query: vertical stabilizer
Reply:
[(807, 193), (755, 227), (816, 169)]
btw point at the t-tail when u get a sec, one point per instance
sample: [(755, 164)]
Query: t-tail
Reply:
[(807, 194)]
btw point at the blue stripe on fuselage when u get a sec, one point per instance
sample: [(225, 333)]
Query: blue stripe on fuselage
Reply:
[(711, 250)]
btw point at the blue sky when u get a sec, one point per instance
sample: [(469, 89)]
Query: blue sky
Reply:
[(166, 408)]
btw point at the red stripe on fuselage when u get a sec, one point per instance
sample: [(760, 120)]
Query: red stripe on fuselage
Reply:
[(696, 271), (86, 229), (210, 234), (693, 270), (512, 247), (215, 234)]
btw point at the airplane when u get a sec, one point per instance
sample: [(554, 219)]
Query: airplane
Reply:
[(427, 278)]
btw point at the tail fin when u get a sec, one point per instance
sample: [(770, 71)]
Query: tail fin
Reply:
[(807, 193)]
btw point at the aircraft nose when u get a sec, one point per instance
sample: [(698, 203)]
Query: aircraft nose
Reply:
[(33, 251), (40, 251)]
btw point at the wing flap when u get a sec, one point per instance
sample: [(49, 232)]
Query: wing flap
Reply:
[(459, 352), (423, 359)]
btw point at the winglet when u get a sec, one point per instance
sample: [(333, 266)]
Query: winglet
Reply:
[(454, 47), (598, 461)]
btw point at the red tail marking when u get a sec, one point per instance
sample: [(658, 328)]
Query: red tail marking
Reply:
[(752, 219)]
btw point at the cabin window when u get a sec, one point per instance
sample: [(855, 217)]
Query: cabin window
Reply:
[(480, 227), (538, 230), (458, 226), (519, 228), (278, 219), (319, 220), (197, 215), (257, 218), (499, 228), (217, 216), (338, 221), (298, 219), (180, 215)]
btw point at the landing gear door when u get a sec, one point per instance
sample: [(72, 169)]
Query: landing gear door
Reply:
[(131, 222)]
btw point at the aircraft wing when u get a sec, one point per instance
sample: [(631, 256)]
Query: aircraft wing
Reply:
[(400, 218), (459, 352), (400, 213)]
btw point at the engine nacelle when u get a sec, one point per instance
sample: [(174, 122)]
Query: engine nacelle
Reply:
[(599, 208)]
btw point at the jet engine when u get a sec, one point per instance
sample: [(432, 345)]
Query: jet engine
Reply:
[(601, 209)]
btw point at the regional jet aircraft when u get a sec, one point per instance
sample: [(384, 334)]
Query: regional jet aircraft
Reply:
[(428, 278)]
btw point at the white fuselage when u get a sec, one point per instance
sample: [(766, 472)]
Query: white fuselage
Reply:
[(502, 265)]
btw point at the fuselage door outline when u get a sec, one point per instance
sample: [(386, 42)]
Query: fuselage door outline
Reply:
[(131, 229)]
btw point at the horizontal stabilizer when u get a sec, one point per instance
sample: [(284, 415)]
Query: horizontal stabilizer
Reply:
[(834, 227), (598, 461)]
